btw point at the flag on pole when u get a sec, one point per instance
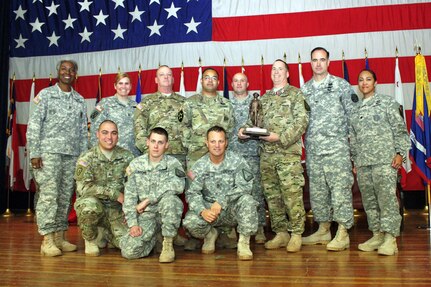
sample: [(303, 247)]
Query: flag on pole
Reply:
[(26, 174), (262, 78), (367, 65), (99, 87), (199, 84), (138, 97), (182, 86), (399, 97), (11, 147), (420, 130), (301, 78), (345, 70), (225, 83)]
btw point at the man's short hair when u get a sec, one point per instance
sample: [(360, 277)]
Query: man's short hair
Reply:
[(159, 131), (280, 60), (210, 69), (107, 121), (218, 129), (319, 49), (74, 63)]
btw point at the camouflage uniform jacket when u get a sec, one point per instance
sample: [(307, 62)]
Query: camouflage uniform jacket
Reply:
[(201, 113), (100, 177), (122, 114), (223, 183), (331, 104), (158, 110), (284, 113), (58, 123), (153, 182), (378, 131), (241, 109)]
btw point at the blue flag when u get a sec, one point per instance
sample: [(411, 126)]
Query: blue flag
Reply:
[(345, 72), (138, 89), (225, 84)]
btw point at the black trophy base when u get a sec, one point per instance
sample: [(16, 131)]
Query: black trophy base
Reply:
[(255, 132)]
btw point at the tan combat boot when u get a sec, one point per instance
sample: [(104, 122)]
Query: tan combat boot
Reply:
[(280, 240), (168, 252), (341, 240), (209, 241), (91, 248), (295, 243), (321, 236), (260, 237), (63, 244), (180, 240), (244, 252), (389, 246), (48, 247), (373, 243)]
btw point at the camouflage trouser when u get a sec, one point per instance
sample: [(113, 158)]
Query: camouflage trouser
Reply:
[(242, 211), (56, 186), (282, 181), (331, 181), (92, 213), (166, 215), (257, 192), (377, 184)]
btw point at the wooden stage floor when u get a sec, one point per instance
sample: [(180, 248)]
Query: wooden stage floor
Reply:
[(22, 265)]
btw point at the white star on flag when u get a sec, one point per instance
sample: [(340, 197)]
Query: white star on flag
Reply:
[(118, 32), (53, 39), (172, 11), (155, 1), (69, 22), (85, 35), (192, 26), (52, 9), (85, 5), (20, 13), (101, 18), (118, 3), (155, 28), (136, 14), (37, 25), (20, 41)]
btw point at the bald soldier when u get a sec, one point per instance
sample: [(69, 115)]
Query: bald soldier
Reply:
[(100, 176), (249, 149)]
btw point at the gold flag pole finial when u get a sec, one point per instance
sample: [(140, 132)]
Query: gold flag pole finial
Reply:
[(242, 62), (366, 53), (13, 76), (119, 70), (299, 58), (224, 61), (417, 49), (140, 68), (34, 77), (200, 62), (285, 57), (182, 66), (396, 52), (261, 60), (342, 54), (100, 71), (50, 77)]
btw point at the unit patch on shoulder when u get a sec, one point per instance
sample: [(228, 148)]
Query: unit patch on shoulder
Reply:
[(247, 175), (36, 100), (179, 173)]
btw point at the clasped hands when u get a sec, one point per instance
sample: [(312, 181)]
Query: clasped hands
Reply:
[(210, 215)]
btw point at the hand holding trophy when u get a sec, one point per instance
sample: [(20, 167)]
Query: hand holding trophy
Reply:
[(256, 117)]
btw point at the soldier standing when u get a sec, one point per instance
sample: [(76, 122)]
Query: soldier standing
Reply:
[(285, 117), (154, 180), (379, 141), (219, 196), (119, 109), (56, 135), (247, 148), (331, 100), (100, 174)]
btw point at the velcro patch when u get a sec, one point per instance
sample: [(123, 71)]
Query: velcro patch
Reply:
[(247, 175), (140, 106), (83, 163), (36, 100)]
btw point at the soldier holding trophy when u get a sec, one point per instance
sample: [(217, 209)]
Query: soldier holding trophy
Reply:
[(284, 118)]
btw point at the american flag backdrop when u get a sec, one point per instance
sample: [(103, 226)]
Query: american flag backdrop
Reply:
[(107, 36)]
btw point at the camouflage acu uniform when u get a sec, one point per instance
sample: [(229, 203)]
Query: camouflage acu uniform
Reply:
[(56, 133), (160, 183), (229, 184), (377, 134), (201, 113), (249, 150), (120, 113), (327, 147), (99, 182), (280, 162), (159, 110)]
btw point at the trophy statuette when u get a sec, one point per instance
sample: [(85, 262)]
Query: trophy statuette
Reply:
[(256, 117)]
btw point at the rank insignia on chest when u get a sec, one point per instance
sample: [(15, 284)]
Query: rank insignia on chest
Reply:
[(180, 116), (329, 87)]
